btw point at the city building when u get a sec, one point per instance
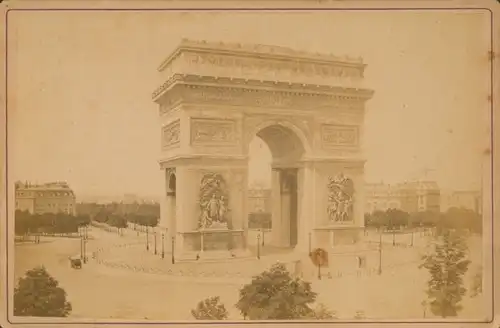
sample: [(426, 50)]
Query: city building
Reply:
[(416, 196), (54, 197), (469, 199)]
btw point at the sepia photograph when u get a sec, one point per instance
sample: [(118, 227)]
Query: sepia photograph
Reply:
[(189, 165)]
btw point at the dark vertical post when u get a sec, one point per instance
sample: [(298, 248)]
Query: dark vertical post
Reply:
[(412, 233), (84, 250), (81, 247), (147, 238), (155, 243), (393, 237), (263, 235), (162, 246), (319, 270), (380, 254)]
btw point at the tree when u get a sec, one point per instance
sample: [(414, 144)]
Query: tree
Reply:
[(210, 309), (377, 219), (396, 218), (275, 295), (38, 295), (321, 312), (425, 219), (447, 266), (477, 283), (462, 218)]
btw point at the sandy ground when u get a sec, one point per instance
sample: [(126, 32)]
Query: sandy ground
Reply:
[(104, 291)]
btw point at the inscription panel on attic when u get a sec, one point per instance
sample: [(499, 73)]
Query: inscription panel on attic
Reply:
[(218, 132), (264, 65)]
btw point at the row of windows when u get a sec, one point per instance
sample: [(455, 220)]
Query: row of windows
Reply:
[(55, 205), (44, 194), (68, 206)]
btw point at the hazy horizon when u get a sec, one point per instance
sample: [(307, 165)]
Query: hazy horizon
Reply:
[(81, 110)]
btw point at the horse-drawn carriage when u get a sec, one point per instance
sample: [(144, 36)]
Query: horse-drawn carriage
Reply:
[(76, 262)]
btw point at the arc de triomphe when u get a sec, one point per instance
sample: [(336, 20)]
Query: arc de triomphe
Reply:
[(308, 108)]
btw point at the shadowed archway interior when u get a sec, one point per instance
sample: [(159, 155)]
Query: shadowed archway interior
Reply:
[(286, 150), (284, 144)]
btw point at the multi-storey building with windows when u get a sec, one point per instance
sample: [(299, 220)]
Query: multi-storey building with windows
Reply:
[(54, 197), (418, 196)]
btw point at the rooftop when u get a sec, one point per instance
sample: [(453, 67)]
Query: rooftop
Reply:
[(260, 50), (58, 185)]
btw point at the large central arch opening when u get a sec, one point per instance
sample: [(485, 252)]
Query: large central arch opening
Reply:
[(274, 155)]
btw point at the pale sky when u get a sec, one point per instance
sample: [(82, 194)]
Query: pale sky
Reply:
[(80, 86)]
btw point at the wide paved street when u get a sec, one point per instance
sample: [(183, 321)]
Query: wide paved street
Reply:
[(107, 291)]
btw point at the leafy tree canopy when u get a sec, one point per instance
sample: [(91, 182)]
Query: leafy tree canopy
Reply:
[(447, 265), (275, 295), (210, 309), (39, 295)]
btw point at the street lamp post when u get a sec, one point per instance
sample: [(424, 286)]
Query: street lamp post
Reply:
[(162, 246), (155, 243), (380, 254), (81, 247), (84, 250), (147, 238)]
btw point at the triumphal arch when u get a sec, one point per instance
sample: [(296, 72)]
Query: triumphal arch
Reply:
[(308, 108)]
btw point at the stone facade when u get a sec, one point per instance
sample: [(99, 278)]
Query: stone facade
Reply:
[(416, 196), (56, 197), (308, 108)]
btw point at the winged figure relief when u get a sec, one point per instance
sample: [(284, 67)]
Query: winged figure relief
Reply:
[(213, 201), (340, 198)]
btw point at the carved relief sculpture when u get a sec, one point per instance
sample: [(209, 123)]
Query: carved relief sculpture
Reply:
[(340, 198), (339, 135), (213, 202), (171, 134), (208, 131)]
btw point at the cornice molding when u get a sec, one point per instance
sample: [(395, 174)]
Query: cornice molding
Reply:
[(352, 162), (259, 51), (261, 85), (259, 94), (203, 159)]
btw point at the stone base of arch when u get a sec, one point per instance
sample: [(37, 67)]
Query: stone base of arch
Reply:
[(314, 227), (189, 239), (299, 215)]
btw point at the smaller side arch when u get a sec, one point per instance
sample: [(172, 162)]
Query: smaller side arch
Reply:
[(171, 182)]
